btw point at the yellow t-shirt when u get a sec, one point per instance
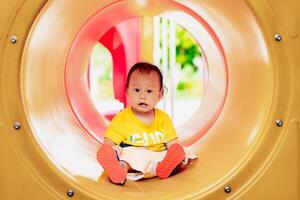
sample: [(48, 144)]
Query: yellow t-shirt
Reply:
[(125, 127)]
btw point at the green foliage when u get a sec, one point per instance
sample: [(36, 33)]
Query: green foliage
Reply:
[(187, 49)]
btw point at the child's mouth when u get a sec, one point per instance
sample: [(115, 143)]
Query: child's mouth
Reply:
[(143, 104)]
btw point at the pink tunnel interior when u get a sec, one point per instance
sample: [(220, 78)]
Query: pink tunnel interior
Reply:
[(123, 40)]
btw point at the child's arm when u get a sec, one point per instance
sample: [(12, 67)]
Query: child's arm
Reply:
[(116, 147)]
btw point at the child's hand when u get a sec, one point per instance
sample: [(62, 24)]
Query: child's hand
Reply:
[(117, 148)]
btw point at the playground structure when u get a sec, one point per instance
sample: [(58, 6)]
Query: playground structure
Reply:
[(245, 133)]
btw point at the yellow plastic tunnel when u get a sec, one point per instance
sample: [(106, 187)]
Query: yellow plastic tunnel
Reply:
[(245, 132)]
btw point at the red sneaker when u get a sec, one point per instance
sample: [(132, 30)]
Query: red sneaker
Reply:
[(174, 157), (107, 157)]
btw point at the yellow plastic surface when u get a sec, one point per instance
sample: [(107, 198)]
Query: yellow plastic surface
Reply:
[(244, 149)]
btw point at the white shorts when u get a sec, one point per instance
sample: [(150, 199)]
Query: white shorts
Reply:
[(145, 161)]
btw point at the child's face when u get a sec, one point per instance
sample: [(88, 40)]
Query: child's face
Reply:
[(144, 91)]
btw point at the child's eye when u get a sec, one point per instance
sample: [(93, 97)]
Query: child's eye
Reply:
[(136, 89), (149, 91)]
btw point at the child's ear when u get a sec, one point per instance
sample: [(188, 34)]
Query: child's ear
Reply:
[(161, 93)]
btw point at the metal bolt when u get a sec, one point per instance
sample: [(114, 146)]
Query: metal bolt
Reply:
[(277, 37), (279, 122), (227, 189), (17, 125), (13, 39), (70, 193)]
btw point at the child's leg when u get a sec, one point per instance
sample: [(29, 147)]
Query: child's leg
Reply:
[(173, 158), (125, 165), (107, 157)]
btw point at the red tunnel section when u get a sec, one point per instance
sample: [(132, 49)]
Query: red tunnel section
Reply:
[(123, 43)]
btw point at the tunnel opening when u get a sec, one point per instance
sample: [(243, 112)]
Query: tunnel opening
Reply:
[(181, 60), (123, 42)]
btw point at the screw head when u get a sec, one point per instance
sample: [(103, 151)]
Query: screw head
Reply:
[(70, 193), (17, 125), (279, 122), (277, 37), (13, 39), (227, 189)]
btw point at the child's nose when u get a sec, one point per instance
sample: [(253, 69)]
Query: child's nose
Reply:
[(142, 94)]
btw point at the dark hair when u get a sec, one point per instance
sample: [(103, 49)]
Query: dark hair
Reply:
[(144, 67)]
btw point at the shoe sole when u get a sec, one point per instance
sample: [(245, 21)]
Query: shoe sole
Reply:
[(107, 157), (174, 157)]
